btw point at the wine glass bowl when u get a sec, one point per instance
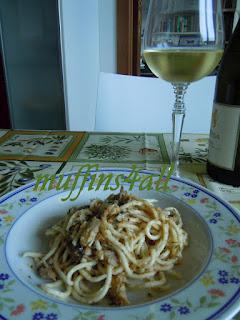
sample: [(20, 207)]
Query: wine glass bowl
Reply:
[(183, 42)]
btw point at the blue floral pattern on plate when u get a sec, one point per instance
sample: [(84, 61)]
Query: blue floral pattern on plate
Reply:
[(212, 295)]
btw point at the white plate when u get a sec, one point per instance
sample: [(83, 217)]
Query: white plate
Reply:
[(209, 288)]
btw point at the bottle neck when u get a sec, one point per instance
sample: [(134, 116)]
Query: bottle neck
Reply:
[(228, 79), (234, 42)]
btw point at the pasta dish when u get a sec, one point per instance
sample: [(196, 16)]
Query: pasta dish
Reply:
[(108, 247)]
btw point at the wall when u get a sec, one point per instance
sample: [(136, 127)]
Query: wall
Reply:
[(107, 36), (88, 47)]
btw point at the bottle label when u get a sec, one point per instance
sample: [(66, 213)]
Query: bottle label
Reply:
[(224, 135)]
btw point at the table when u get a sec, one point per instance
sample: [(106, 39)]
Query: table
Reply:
[(26, 155)]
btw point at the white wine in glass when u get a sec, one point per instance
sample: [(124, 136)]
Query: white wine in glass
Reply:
[(183, 42)]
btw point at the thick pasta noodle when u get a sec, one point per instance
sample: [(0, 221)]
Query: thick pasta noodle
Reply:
[(105, 248)]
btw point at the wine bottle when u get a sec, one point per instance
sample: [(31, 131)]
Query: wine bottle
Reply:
[(223, 162)]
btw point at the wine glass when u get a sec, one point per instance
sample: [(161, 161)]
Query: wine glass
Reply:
[(183, 42)]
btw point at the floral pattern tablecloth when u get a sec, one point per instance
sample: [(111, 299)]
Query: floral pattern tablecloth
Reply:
[(24, 155)]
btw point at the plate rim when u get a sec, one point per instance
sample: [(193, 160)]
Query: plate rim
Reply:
[(224, 311)]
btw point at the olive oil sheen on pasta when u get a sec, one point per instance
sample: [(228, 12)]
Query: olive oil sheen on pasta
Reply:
[(182, 66)]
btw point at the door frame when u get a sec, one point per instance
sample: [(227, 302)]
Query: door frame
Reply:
[(129, 17)]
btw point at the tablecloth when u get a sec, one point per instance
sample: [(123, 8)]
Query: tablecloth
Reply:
[(24, 155)]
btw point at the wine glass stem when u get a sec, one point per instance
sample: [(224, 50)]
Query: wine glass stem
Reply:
[(178, 115)]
